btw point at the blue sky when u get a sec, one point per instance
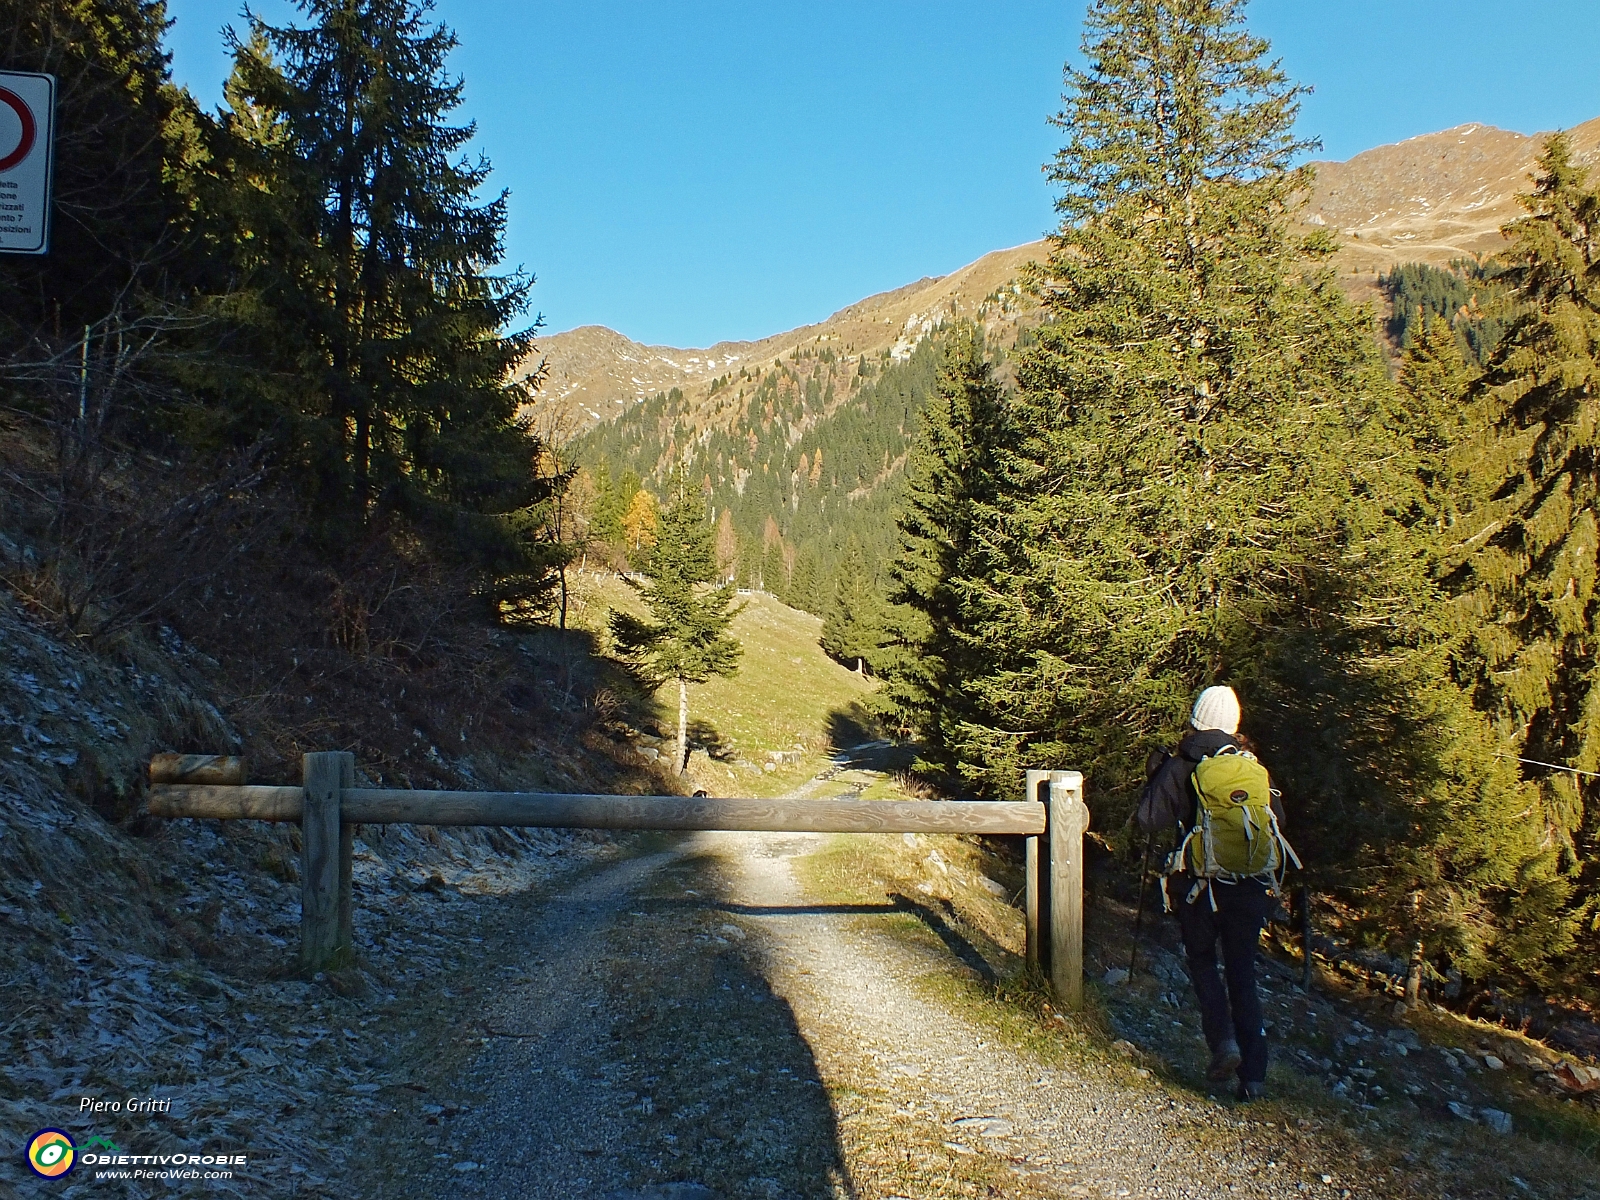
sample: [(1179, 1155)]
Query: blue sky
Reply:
[(690, 172)]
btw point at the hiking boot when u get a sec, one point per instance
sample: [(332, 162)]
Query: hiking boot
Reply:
[(1224, 1061), (1251, 1090)]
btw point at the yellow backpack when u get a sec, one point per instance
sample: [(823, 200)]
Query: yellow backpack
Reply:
[(1235, 833)]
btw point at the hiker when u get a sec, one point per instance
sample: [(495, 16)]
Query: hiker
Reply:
[(1221, 876)]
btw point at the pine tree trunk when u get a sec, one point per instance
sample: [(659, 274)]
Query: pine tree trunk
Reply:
[(683, 727), (1414, 971)]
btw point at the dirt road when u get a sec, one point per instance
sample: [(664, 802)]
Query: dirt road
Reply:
[(691, 1024)]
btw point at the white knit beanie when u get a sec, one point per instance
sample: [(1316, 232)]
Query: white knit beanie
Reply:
[(1216, 708)]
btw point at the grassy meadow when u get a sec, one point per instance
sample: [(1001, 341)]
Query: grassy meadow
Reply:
[(788, 698)]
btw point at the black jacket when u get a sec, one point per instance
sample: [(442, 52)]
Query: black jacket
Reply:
[(1168, 799)]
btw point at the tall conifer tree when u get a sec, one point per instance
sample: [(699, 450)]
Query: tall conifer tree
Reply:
[(685, 639), (1446, 863), (1174, 415), (852, 630), (369, 255), (950, 472), (1528, 547)]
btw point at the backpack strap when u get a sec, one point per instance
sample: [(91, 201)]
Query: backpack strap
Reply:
[(1289, 856), (1202, 885)]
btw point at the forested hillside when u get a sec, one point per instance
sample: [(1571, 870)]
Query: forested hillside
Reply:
[(1469, 296), (803, 460), (592, 374), (798, 458)]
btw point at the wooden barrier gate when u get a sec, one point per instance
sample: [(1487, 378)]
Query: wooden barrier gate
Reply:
[(329, 806)]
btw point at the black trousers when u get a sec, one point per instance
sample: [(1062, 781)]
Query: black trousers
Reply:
[(1231, 1011)]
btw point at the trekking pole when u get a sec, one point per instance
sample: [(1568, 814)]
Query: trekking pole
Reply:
[(1138, 919), (1305, 936)]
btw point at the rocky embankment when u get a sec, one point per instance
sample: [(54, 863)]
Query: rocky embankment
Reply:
[(151, 996)]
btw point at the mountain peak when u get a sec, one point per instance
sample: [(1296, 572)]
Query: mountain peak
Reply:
[(1434, 197)]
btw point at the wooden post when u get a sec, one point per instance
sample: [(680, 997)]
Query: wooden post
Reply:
[(320, 845), (1069, 818), (1036, 872), (346, 948), (1030, 901)]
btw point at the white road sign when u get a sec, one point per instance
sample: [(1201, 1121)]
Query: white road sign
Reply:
[(27, 145)]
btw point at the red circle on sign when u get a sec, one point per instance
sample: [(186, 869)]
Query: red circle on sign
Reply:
[(29, 130)]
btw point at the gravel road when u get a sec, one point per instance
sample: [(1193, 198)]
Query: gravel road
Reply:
[(688, 1024)]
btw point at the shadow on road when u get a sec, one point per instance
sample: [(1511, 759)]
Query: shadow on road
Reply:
[(626, 1046), (733, 1097), (943, 925), (778, 910)]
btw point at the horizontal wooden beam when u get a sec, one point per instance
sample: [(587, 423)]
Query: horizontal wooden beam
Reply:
[(380, 806), (256, 802), (197, 768), (374, 805)]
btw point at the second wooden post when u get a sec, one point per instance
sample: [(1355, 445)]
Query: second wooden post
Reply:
[(345, 947), (1036, 876), (1068, 820), (324, 862)]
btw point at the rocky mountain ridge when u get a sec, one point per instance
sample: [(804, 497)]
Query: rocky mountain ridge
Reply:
[(595, 373), (1432, 198)]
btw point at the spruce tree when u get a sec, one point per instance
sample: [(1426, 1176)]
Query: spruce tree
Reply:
[(368, 257), (805, 588), (1175, 416), (613, 498), (1432, 413), (950, 471), (774, 578), (685, 638), (1526, 548), (852, 631), (1443, 861)]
